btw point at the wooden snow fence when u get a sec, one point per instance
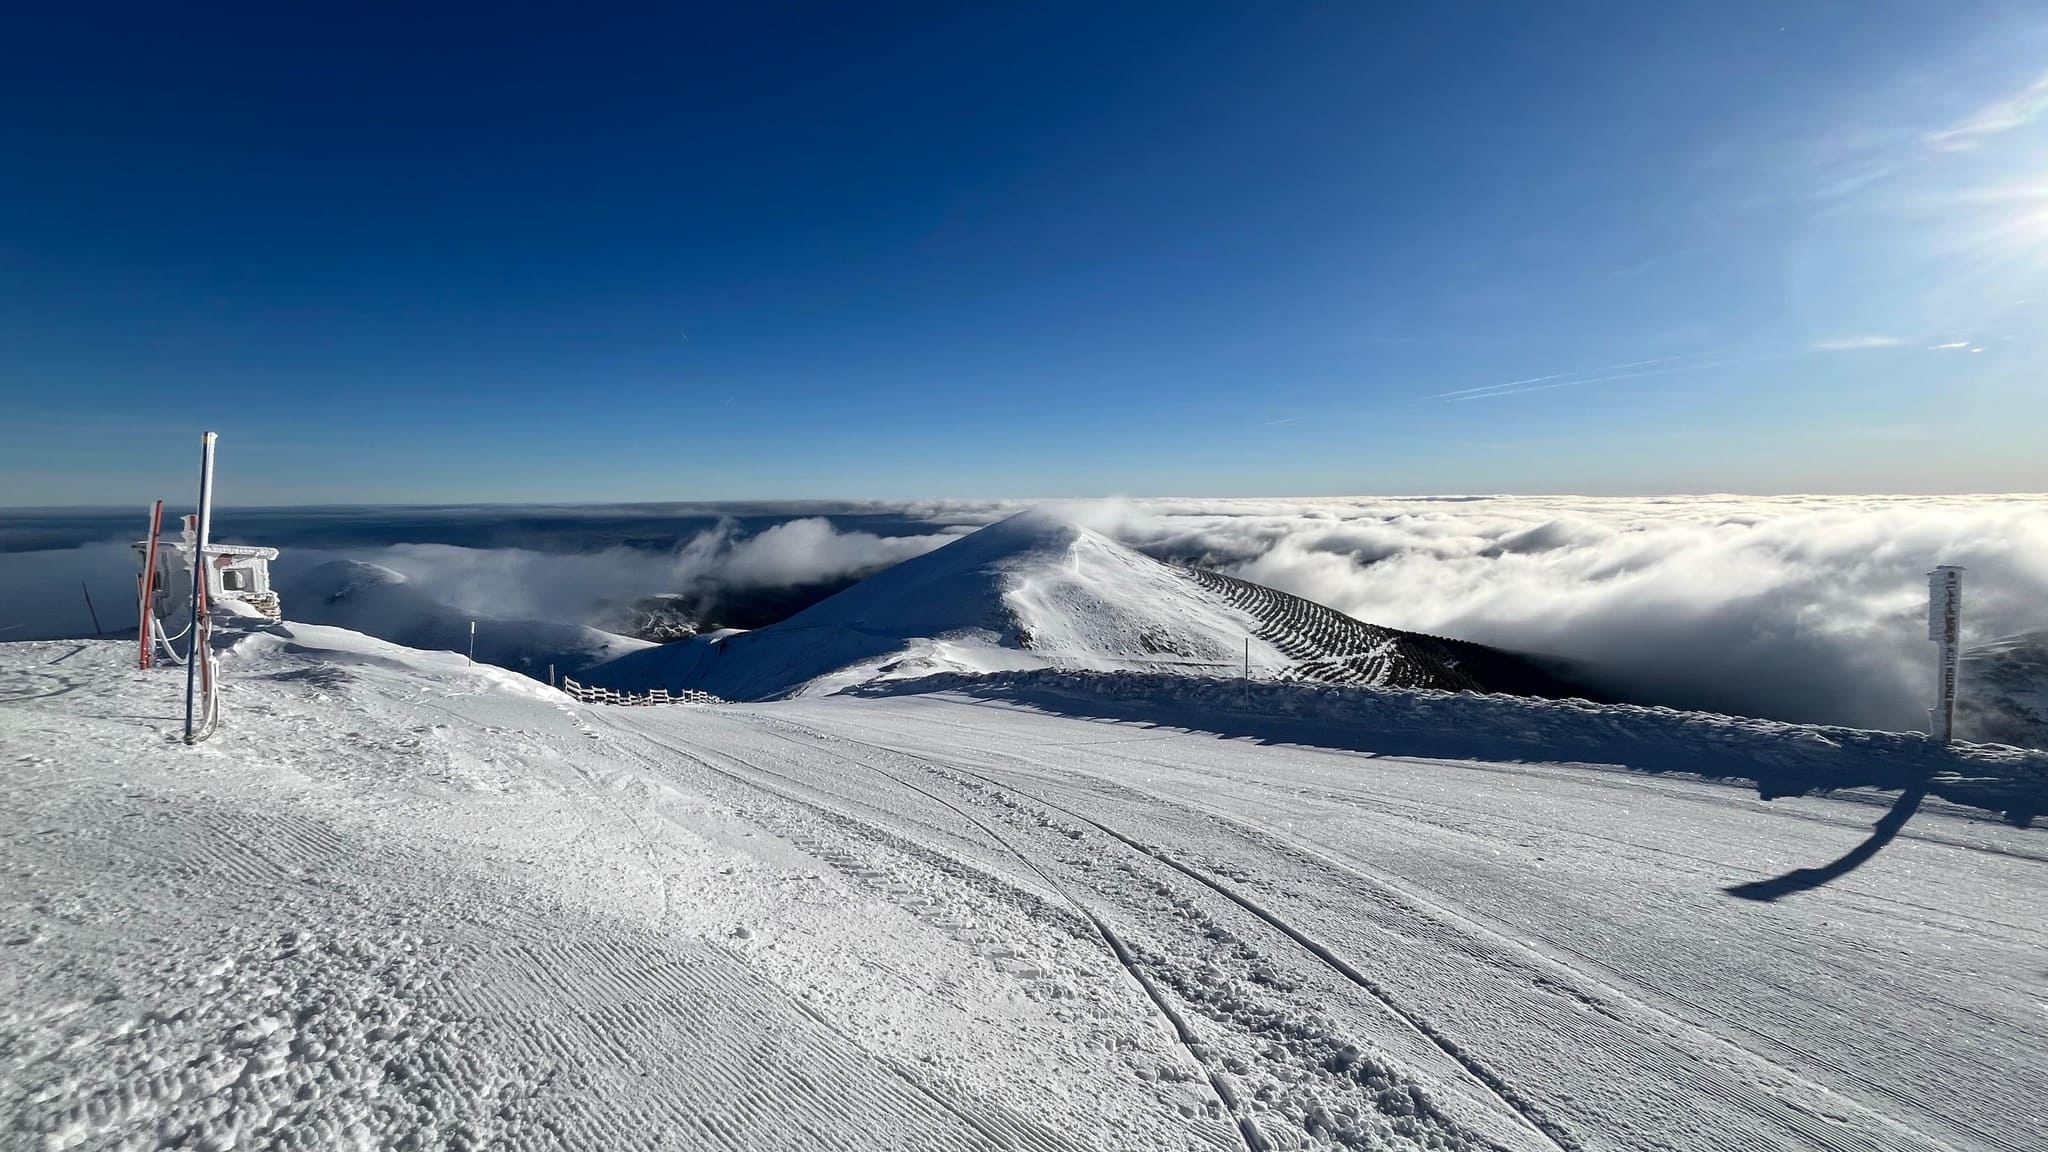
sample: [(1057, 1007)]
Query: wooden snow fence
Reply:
[(588, 694)]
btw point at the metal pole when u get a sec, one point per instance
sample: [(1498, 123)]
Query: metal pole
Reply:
[(1944, 627), (199, 586), (472, 642), (1247, 659), (90, 608)]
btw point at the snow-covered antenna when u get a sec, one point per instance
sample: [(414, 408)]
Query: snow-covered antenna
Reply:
[(200, 665), (1944, 627)]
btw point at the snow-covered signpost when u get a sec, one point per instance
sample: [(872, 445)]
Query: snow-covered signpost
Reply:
[(1944, 627)]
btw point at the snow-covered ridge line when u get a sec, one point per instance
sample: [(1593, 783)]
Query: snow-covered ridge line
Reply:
[(1038, 591), (1781, 759)]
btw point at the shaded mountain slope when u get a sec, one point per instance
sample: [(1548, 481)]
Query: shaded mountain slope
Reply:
[(1329, 647)]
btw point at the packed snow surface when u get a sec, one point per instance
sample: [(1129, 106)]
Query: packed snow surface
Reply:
[(401, 902)]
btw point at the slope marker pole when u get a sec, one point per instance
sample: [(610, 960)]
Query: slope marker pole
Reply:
[(148, 582), (199, 637), (1944, 627)]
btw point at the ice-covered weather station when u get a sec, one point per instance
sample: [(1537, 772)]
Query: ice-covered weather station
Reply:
[(189, 585), (237, 576)]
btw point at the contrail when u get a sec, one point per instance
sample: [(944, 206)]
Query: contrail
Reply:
[(1507, 391), (1670, 366), (1563, 375)]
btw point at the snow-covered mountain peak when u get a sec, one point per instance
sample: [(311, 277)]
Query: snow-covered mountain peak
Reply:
[(1081, 599), (1040, 529), (338, 579), (1038, 590)]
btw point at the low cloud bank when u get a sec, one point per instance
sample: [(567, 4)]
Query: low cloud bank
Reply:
[(1796, 608), (718, 572), (43, 593)]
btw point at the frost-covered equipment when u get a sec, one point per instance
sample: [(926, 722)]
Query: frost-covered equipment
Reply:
[(190, 584), (1944, 627), (237, 577)]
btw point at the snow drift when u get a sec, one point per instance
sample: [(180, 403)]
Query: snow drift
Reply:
[(1781, 759)]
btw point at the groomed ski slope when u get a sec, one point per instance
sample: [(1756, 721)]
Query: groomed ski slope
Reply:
[(402, 902)]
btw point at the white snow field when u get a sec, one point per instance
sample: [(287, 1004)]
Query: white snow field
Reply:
[(399, 902)]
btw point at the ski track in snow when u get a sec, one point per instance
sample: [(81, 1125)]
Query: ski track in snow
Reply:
[(1911, 1038), (400, 902)]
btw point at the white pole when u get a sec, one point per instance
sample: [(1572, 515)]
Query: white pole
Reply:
[(199, 586), (472, 642), (1944, 627)]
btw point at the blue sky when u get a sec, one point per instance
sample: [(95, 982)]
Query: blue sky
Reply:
[(505, 253)]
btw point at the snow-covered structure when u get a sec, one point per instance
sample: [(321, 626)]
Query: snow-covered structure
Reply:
[(237, 577)]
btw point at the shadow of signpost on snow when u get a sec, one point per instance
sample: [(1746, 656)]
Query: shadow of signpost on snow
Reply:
[(1804, 879)]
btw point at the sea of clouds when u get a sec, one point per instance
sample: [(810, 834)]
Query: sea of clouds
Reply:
[(713, 567), (1797, 608)]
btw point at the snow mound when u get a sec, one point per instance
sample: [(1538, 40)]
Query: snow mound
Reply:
[(1036, 591), (1782, 759)]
